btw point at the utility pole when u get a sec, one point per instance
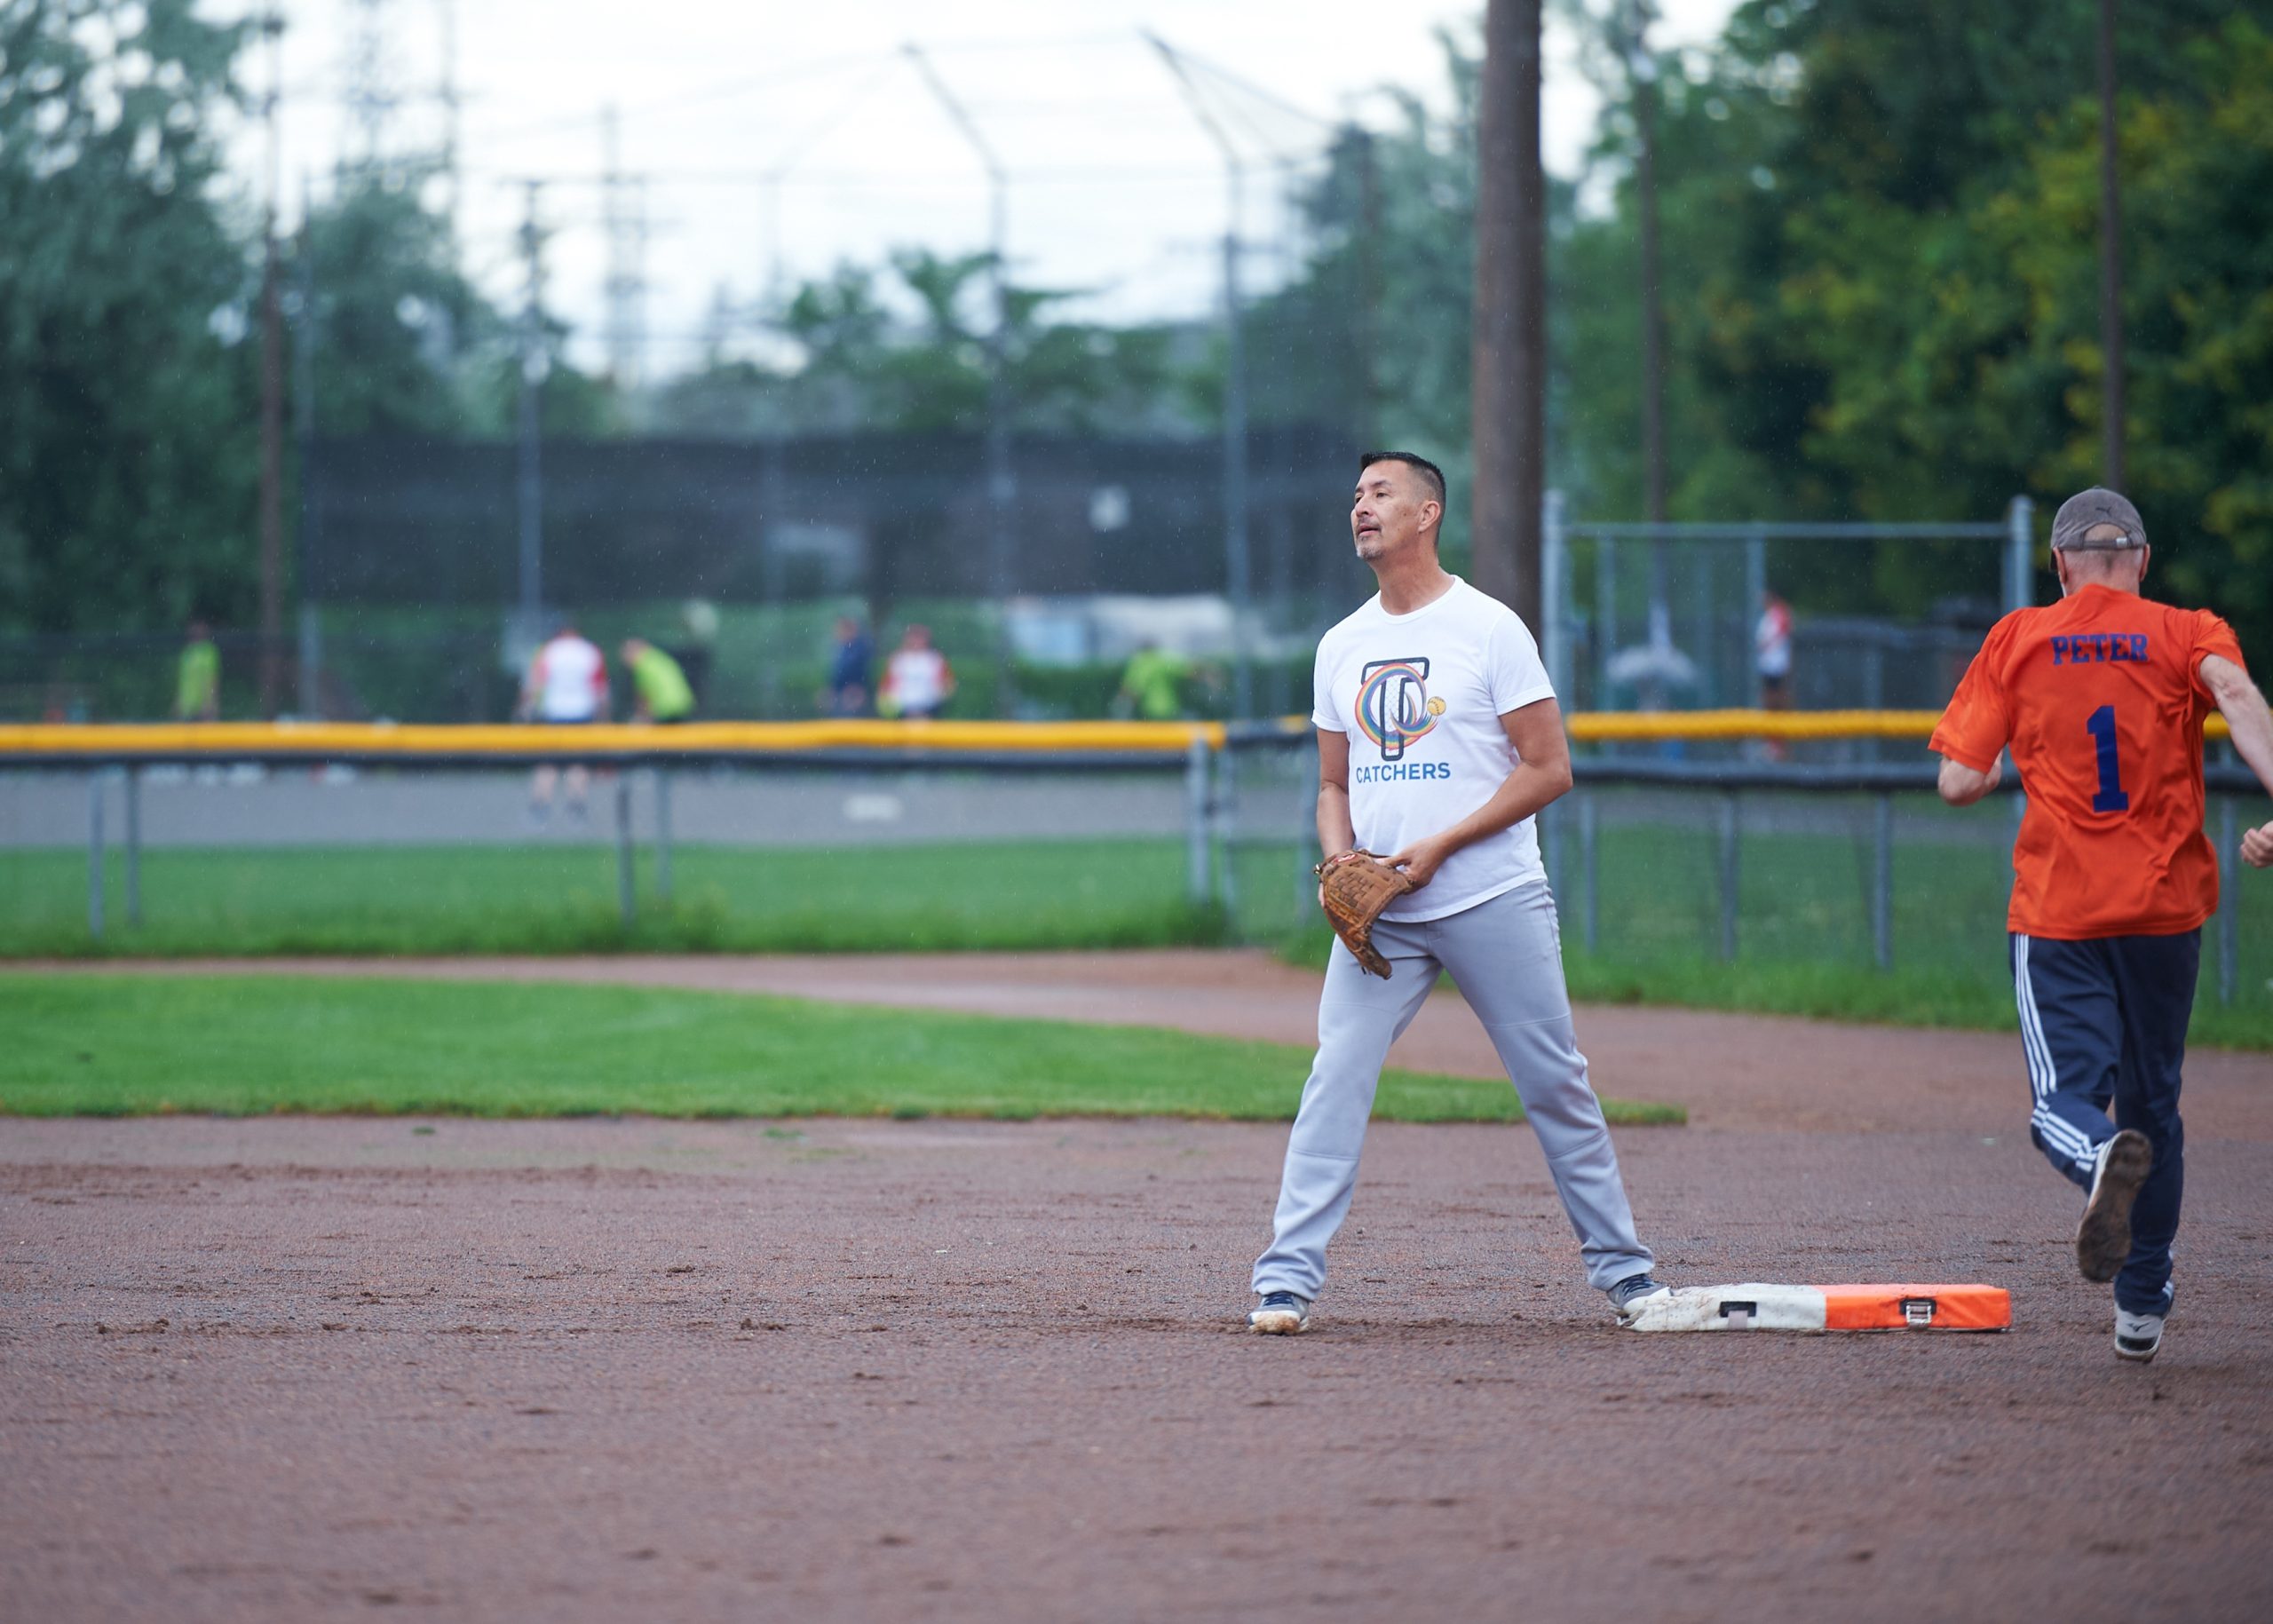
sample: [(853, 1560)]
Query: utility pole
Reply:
[(303, 425), (272, 401), (623, 222), (1642, 73), (2110, 262), (535, 362), (446, 92), (1508, 399), (1002, 471), (1366, 318), (1641, 76), (370, 95), (1238, 566)]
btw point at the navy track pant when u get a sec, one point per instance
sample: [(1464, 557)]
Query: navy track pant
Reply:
[(2103, 1023)]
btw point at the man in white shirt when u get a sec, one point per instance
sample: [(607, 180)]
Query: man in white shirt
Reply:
[(1439, 739), (566, 685)]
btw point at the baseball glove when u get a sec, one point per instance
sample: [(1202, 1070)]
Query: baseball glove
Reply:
[(1355, 887)]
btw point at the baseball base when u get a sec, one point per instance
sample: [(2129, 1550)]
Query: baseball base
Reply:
[(1756, 1307)]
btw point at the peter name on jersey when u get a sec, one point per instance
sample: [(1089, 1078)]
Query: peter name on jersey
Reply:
[(2100, 648)]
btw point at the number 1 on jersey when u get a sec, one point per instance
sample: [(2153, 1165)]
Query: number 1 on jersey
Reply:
[(2111, 798)]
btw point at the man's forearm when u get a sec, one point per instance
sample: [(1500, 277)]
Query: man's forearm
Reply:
[(2253, 730), (1526, 790), (1336, 832)]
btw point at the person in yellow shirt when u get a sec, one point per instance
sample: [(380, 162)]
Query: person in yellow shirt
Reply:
[(1152, 683), (658, 687), (197, 679)]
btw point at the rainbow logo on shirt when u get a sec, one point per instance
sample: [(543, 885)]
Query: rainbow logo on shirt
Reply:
[(1394, 708)]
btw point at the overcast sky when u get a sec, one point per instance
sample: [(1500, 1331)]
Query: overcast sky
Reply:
[(1114, 189)]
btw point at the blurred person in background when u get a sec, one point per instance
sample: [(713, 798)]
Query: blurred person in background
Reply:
[(918, 681), (850, 665), (566, 686), (1151, 688), (660, 690), (1771, 657), (197, 677)]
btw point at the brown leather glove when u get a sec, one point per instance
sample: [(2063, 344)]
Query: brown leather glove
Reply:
[(1354, 888)]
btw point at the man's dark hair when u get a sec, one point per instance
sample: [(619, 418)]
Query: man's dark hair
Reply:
[(1432, 475)]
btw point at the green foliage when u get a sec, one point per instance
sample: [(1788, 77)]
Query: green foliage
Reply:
[(126, 387), (905, 346), (122, 1045), (1879, 230), (392, 312)]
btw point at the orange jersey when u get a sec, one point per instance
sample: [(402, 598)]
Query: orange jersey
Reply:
[(2100, 698)]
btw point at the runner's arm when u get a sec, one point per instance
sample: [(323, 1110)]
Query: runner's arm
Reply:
[(2244, 709), (1961, 786)]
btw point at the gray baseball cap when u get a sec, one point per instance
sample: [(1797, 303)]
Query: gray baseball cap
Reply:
[(2086, 511)]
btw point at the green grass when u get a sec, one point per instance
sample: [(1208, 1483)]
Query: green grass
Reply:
[(562, 898), (122, 1045), (1804, 944)]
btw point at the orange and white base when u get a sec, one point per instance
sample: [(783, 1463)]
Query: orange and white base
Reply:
[(1824, 1307)]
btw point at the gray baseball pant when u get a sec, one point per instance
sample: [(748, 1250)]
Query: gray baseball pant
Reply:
[(1506, 958)]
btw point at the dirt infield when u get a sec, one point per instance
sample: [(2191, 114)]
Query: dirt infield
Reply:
[(285, 1367)]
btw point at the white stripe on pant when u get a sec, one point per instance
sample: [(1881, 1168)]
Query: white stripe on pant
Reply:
[(1506, 958), (2043, 1076)]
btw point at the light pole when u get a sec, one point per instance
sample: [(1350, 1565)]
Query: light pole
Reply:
[(1238, 565), (535, 364), (1002, 472)]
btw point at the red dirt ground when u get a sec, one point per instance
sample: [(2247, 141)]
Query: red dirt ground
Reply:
[(282, 1367)]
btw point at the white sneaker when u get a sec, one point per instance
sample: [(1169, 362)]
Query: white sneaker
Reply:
[(2137, 1336), (1281, 1314), (2104, 1239)]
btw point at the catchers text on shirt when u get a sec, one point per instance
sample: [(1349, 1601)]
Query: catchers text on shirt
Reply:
[(1420, 696)]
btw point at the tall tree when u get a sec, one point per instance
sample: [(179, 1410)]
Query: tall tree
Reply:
[(127, 455)]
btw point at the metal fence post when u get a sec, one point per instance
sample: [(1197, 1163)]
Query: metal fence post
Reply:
[(1555, 594), (663, 833), (1590, 864), (1728, 878), (1198, 886), (626, 897), (1224, 825), (96, 859), (1605, 632), (1883, 884), (1755, 599), (2229, 903), (2020, 555), (133, 845)]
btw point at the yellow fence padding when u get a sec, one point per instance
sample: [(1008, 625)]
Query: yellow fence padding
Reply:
[(317, 739)]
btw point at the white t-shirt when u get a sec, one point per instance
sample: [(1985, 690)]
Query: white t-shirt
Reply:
[(917, 679), (1420, 696), (1771, 641), (571, 676)]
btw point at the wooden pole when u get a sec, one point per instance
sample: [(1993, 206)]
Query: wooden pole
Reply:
[(2110, 262), (1509, 327)]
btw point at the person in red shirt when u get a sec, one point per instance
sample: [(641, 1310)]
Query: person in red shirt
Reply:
[(2100, 698)]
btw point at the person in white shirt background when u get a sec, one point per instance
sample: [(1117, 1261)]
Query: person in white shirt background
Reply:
[(1439, 739), (918, 682), (566, 685), (1772, 654)]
